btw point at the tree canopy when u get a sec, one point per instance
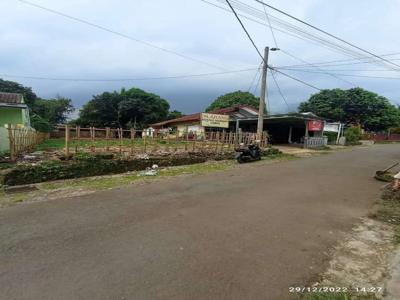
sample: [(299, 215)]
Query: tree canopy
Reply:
[(354, 106), (127, 108), (45, 114), (174, 114), (15, 87), (234, 98)]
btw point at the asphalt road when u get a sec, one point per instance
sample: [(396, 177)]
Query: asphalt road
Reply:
[(247, 233)]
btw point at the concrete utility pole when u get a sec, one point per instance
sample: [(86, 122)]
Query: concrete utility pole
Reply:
[(261, 108)]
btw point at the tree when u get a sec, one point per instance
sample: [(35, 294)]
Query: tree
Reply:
[(55, 111), (234, 98), (354, 106), (44, 113), (15, 87), (174, 115), (124, 109)]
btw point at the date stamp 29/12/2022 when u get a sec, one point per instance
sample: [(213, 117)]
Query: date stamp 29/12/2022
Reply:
[(334, 289)]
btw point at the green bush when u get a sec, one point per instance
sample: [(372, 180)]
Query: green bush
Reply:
[(85, 166), (332, 136), (353, 135)]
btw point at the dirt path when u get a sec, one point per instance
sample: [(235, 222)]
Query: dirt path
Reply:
[(247, 233)]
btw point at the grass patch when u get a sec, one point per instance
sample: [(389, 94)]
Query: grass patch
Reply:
[(109, 181), (388, 210), (120, 180)]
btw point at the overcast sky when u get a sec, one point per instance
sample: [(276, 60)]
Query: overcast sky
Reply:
[(38, 43)]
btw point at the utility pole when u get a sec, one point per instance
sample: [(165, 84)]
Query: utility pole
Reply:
[(261, 107)]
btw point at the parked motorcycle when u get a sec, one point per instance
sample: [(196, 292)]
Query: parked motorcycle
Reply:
[(248, 153)]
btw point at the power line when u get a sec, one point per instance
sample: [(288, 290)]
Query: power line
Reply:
[(296, 79), (259, 53), (293, 56), (339, 74), (258, 83), (125, 79), (298, 30), (120, 34), (327, 33), (254, 78), (318, 68), (339, 70), (280, 91), (245, 30), (270, 27), (299, 34), (332, 63)]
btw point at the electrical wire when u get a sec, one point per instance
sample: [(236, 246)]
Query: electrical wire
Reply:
[(327, 33), (280, 91), (332, 64), (252, 41), (184, 56), (300, 36), (293, 56), (125, 79), (298, 30), (294, 78), (245, 30), (254, 78), (318, 68), (339, 74)]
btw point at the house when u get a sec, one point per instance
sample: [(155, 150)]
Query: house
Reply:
[(13, 111), (195, 122)]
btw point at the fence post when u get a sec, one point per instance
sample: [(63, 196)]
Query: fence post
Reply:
[(11, 142), (108, 139), (78, 137), (133, 133), (120, 135), (186, 140), (217, 142), (145, 141), (168, 140), (67, 140), (223, 141), (194, 141)]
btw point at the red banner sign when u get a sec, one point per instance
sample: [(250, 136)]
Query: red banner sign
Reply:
[(315, 125)]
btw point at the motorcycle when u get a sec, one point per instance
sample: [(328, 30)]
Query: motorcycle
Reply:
[(248, 153)]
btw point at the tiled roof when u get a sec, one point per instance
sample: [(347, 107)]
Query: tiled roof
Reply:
[(10, 98)]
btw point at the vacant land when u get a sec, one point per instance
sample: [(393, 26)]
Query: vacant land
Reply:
[(247, 233)]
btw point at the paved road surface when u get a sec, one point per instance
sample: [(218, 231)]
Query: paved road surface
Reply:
[(248, 233)]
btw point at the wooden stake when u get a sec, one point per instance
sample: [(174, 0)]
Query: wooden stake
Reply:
[(108, 131), (67, 141), (133, 133)]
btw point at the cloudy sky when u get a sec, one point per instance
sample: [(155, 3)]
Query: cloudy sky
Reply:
[(38, 43)]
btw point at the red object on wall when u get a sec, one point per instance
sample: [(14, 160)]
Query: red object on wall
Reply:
[(315, 125)]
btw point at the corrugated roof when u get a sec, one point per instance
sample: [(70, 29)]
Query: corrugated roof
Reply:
[(188, 118), (11, 98), (197, 116)]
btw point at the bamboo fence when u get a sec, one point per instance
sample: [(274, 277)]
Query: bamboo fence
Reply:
[(22, 140), (131, 142)]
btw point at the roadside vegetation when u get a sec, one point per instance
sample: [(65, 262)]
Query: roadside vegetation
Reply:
[(387, 210), (71, 187)]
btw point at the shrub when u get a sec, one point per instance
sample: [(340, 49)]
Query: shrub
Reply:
[(353, 135)]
